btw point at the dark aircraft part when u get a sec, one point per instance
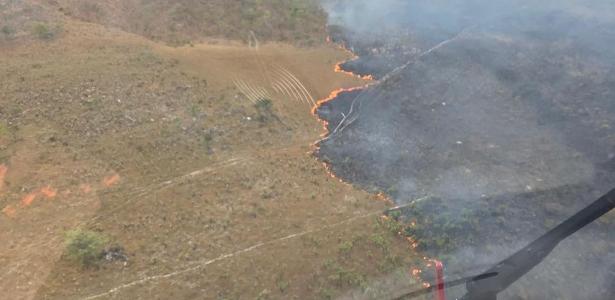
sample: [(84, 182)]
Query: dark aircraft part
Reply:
[(495, 280)]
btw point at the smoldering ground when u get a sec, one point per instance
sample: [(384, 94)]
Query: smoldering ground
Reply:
[(502, 115)]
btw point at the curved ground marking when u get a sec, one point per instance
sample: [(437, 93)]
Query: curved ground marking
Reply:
[(302, 86), (297, 84), (294, 87), (276, 87), (284, 89), (251, 90), (304, 90), (291, 86), (204, 263), (287, 87), (285, 82), (264, 92), (254, 96), (257, 91), (241, 86), (243, 90)]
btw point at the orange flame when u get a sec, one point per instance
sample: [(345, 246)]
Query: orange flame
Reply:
[(111, 180), (383, 197), (339, 69), (3, 171), (334, 94), (28, 199), (49, 192), (9, 211), (85, 188)]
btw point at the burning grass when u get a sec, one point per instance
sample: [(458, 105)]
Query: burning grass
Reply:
[(3, 170)]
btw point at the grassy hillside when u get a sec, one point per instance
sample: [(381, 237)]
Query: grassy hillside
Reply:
[(20, 19), (300, 22), (158, 151)]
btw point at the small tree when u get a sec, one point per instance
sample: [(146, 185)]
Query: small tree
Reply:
[(85, 246), (43, 32), (7, 30), (264, 108)]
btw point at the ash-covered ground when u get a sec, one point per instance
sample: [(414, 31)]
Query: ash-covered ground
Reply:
[(500, 116)]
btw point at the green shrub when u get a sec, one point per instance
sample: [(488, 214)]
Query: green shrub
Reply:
[(4, 130), (264, 108), (381, 242), (264, 105), (282, 284), (7, 30), (85, 246), (43, 31), (346, 247)]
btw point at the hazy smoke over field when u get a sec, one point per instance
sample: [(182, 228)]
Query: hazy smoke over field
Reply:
[(502, 115)]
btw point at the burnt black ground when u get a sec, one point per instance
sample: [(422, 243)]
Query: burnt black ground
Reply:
[(506, 130)]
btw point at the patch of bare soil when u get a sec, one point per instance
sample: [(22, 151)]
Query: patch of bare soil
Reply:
[(197, 161)]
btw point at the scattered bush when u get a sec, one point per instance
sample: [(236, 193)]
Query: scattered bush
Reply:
[(85, 246), (4, 130), (381, 242), (282, 284), (346, 247), (91, 11), (264, 108), (7, 30), (264, 105), (180, 22), (343, 277), (44, 31)]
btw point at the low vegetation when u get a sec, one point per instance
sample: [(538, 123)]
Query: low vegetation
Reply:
[(7, 30), (439, 233), (4, 130), (360, 257), (85, 247), (185, 21), (46, 31), (264, 109)]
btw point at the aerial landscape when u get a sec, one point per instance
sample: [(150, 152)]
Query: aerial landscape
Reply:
[(304, 149)]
